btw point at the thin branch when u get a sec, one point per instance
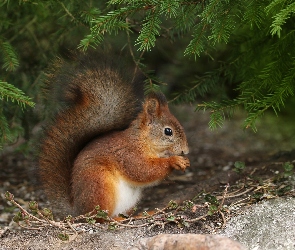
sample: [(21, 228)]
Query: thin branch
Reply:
[(66, 10)]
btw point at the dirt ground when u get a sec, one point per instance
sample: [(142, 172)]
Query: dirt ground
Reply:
[(212, 154)]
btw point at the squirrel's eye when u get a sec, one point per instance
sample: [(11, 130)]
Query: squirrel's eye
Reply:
[(168, 131)]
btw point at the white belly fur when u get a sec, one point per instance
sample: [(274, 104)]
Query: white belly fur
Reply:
[(127, 197)]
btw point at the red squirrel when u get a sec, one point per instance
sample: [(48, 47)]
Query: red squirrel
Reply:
[(105, 143)]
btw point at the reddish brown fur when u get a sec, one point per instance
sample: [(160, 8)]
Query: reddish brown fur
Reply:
[(99, 102), (95, 96), (127, 154)]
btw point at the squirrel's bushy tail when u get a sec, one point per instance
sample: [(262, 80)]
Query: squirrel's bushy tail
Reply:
[(96, 96)]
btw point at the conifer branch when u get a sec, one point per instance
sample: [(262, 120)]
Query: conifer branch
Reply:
[(8, 91), (241, 47), (150, 29), (280, 19), (67, 11), (10, 58)]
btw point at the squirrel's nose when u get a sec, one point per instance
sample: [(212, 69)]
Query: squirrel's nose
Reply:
[(185, 151)]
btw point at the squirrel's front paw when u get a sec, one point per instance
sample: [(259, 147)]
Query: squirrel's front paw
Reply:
[(179, 162)]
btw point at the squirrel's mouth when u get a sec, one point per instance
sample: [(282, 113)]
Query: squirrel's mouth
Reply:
[(165, 154), (168, 153)]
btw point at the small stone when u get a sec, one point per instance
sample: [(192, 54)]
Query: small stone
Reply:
[(187, 242)]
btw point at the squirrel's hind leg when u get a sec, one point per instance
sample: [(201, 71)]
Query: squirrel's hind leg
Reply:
[(96, 184), (92, 185)]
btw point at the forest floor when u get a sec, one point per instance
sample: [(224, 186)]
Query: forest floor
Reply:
[(207, 194)]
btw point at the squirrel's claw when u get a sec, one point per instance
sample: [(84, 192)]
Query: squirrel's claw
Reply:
[(179, 162)]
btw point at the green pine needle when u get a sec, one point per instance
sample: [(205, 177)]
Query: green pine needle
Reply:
[(9, 92), (10, 58)]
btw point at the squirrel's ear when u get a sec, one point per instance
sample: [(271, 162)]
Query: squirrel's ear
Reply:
[(152, 109), (153, 106)]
